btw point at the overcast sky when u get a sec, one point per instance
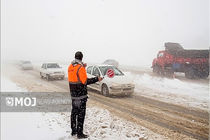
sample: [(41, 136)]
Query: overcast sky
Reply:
[(130, 31)]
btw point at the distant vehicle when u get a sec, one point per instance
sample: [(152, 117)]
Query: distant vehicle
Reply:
[(194, 63), (111, 62), (26, 65), (51, 71), (118, 85)]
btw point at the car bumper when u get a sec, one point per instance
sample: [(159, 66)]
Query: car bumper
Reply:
[(121, 91), (57, 76)]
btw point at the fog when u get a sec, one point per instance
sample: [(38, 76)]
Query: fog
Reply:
[(130, 31)]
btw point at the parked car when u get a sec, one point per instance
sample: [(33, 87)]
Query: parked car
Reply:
[(26, 65), (120, 84), (111, 62), (51, 71)]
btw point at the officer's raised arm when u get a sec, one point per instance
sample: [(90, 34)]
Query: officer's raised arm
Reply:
[(85, 80)]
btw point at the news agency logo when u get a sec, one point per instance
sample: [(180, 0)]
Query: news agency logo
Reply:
[(20, 101)]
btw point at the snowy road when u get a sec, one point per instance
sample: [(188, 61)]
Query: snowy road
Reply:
[(168, 119)]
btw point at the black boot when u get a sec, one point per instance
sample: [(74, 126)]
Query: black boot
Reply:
[(73, 133), (82, 136)]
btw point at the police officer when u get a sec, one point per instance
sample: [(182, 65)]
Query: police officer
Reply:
[(78, 82)]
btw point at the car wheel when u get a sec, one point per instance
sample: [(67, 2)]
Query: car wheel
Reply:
[(156, 69), (204, 74), (190, 73), (105, 90), (41, 75), (48, 77)]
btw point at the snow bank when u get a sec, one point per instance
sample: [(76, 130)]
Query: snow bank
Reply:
[(99, 124), (173, 85), (8, 86), (174, 90)]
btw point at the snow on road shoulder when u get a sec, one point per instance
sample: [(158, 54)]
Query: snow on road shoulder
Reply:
[(107, 126), (28, 125), (99, 124), (8, 86), (172, 90)]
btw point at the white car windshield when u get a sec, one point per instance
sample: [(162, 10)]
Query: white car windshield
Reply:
[(53, 65), (104, 69)]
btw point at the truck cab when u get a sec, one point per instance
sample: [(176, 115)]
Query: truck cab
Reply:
[(163, 61)]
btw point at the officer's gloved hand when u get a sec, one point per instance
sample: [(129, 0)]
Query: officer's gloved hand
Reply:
[(84, 64), (100, 79)]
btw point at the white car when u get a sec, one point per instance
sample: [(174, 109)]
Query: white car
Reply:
[(51, 71), (120, 84), (111, 62), (26, 65)]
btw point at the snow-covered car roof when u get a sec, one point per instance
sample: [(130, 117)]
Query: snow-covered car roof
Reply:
[(99, 65), (50, 63), (111, 62)]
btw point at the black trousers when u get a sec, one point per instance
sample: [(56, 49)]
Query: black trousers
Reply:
[(78, 115)]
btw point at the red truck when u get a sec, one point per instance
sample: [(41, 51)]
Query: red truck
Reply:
[(194, 63)]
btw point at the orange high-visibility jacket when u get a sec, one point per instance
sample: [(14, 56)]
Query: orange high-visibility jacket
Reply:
[(77, 74)]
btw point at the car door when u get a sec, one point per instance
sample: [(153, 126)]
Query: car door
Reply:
[(160, 59), (44, 70), (89, 71), (96, 72)]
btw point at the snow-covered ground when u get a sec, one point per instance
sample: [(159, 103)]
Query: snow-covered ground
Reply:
[(172, 90), (99, 124)]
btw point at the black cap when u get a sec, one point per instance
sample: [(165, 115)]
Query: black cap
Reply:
[(78, 55)]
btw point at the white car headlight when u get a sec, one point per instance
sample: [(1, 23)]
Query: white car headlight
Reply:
[(132, 85)]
